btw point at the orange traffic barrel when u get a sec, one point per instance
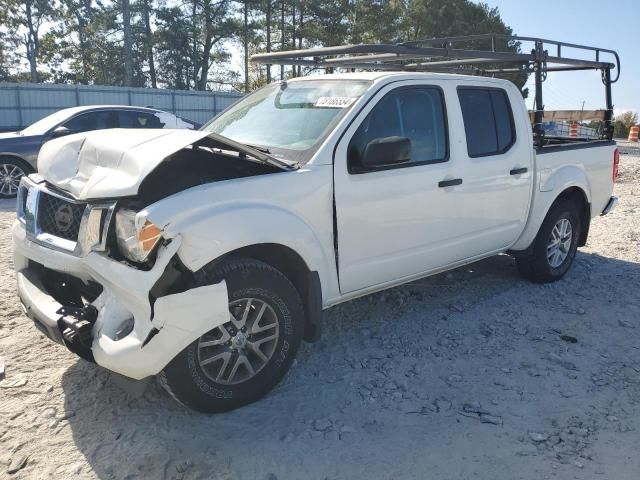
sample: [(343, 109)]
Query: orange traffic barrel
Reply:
[(633, 134), (573, 129)]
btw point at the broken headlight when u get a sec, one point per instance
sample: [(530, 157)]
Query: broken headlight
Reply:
[(136, 236)]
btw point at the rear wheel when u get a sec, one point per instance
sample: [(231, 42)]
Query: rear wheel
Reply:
[(243, 359), (555, 245), (11, 172)]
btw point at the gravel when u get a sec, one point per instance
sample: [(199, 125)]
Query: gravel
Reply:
[(538, 437), (461, 375)]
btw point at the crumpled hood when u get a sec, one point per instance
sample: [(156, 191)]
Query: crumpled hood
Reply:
[(109, 163)]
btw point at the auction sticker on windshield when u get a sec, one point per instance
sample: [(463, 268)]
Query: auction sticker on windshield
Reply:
[(334, 102)]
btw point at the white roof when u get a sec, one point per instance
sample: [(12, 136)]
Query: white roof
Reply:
[(82, 108), (400, 75)]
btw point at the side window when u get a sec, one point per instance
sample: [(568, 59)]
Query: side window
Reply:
[(488, 120), (416, 113), (422, 121), (133, 119), (91, 121)]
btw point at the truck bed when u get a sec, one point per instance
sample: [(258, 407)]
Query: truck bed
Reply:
[(563, 144)]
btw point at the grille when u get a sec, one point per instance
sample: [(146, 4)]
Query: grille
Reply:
[(22, 196), (59, 217)]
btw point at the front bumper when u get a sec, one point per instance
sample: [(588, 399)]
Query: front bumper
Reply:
[(162, 327), (38, 305)]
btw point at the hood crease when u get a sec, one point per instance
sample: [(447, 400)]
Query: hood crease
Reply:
[(109, 163)]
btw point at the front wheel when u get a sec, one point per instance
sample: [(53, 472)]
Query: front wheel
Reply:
[(243, 359), (555, 245), (11, 172)]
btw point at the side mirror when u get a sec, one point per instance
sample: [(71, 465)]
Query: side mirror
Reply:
[(387, 151), (60, 131)]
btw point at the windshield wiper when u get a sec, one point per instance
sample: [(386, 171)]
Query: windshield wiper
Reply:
[(259, 153), (259, 148), (270, 158)]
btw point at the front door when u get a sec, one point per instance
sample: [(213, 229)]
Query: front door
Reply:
[(395, 221)]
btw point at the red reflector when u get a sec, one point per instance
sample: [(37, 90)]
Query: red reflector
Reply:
[(616, 162)]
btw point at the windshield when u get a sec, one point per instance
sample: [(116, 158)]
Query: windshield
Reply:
[(47, 123), (289, 119)]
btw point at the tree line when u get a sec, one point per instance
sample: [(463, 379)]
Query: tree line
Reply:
[(623, 122), (188, 44)]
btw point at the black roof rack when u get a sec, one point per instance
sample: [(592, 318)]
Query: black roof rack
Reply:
[(444, 53), (475, 54)]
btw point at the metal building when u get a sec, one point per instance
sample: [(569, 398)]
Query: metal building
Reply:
[(21, 104)]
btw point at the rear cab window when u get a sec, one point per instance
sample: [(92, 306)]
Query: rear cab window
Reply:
[(488, 120)]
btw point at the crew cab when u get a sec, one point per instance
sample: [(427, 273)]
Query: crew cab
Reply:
[(205, 257)]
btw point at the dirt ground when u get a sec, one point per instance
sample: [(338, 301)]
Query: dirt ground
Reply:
[(470, 374)]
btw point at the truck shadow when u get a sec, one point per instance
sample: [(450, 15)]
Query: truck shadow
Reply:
[(383, 389)]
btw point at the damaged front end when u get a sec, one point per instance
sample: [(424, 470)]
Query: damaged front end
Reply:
[(130, 320), (127, 319), (98, 276)]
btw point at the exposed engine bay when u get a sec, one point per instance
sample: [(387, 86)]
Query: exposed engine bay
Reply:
[(194, 166)]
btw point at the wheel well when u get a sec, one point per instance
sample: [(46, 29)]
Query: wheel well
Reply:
[(291, 264), (21, 160), (577, 196)]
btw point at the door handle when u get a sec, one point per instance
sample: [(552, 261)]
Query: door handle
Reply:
[(518, 171), (450, 183)]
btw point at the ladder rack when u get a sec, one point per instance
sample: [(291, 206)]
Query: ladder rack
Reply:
[(472, 54)]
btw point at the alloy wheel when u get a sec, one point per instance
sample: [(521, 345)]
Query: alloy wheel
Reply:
[(10, 176), (559, 243), (237, 350)]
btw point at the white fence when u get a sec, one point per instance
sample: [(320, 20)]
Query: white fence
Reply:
[(21, 104)]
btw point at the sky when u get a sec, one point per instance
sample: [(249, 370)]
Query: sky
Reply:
[(612, 24)]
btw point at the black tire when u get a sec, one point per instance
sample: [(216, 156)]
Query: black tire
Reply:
[(537, 266), (186, 380), (12, 169)]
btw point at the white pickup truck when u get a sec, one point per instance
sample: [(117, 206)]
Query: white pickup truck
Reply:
[(206, 257)]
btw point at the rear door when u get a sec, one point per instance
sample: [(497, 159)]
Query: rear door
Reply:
[(140, 119), (498, 158)]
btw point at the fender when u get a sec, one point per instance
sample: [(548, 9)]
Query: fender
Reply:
[(13, 155), (213, 230), (549, 190)]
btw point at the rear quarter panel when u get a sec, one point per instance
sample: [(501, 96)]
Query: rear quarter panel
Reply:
[(586, 166)]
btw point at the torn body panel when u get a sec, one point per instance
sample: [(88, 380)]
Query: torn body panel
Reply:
[(180, 319), (159, 328)]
